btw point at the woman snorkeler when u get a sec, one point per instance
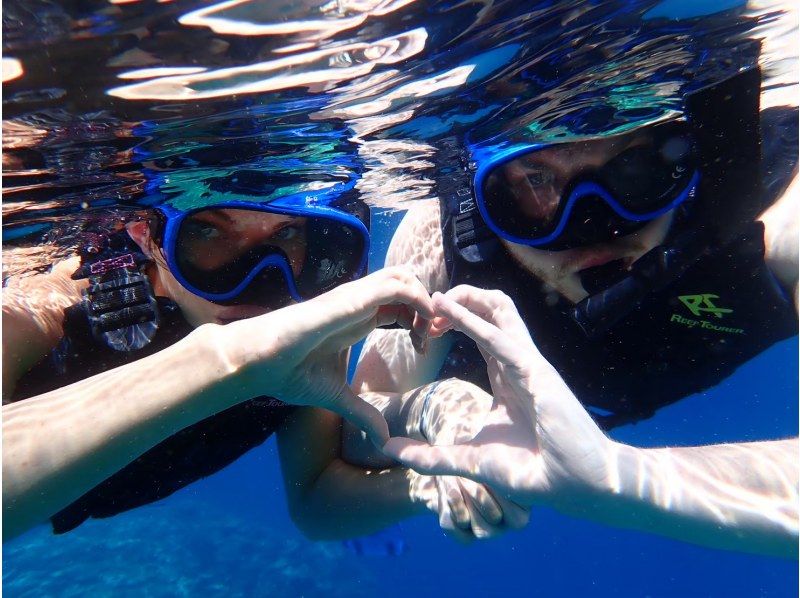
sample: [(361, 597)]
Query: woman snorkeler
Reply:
[(173, 358), (178, 341)]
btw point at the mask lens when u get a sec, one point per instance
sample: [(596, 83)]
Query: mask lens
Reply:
[(522, 196), (335, 253), (216, 249), (654, 171), (643, 172)]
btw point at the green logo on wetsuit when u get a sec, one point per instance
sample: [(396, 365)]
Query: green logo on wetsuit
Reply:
[(700, 304)]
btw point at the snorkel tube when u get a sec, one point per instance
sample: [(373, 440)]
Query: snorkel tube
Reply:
[(725, 123)]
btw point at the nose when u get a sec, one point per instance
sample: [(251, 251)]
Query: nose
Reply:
[(593, 221), (268, 289)]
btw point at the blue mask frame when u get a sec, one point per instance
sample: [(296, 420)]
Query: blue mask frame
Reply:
[(298, 206), (484, 161)]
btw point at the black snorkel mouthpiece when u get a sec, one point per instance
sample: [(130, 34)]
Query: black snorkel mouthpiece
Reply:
[(725, 124), (652, 272)]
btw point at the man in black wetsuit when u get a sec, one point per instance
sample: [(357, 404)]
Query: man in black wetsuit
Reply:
[(647, 265)]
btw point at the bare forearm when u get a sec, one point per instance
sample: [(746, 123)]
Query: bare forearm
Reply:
[(356, 491), (737, 496), (347, 501), (59, 445)]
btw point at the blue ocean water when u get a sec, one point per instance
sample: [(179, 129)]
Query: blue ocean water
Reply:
[(80, 141), (230, 534)]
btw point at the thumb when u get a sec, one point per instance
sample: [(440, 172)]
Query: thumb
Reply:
[(458, 460), (362, 415)]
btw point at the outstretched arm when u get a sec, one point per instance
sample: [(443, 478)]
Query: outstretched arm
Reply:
[(539, 445), (731, 496), (61, 444)]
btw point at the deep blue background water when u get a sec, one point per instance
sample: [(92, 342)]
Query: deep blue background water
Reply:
[(230, 535)]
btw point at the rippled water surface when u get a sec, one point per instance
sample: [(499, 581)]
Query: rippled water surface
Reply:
[(111, 105), (124, 103)]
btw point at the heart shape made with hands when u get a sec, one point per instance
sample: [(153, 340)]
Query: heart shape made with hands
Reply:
[(537, 442)]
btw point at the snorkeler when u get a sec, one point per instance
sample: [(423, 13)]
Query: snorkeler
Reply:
[(241, 229), (175, 357), (647, 265)]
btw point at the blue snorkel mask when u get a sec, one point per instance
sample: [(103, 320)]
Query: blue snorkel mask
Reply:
[(576, 194), (233, 252), (292, 248), (265, 217), (280, 226), (579, 193)]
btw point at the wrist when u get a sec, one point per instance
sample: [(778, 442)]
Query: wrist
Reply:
[(223, 361), (423, 426), (605, 476)]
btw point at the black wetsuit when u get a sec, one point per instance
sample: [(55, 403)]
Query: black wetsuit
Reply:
[(662, 351), (668, 348), (193, 453)]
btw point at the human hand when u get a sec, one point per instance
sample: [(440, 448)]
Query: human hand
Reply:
[(537, 442), (442, 412), (299, 354), (448, 412), (466, 510)]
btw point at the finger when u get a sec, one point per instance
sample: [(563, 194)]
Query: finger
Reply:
[(450, 497), (493, 306), (404, 288), (395, 314), (447, 521), (451, 530), (459, 460), (440, 326), (408, 319), (487, 335), (354, 304), (482, 529), (482, 501), (420, 329), (362, 415), (357, 330), (515, 516)]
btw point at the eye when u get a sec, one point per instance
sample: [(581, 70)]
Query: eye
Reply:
[(287, 233), (203, 230)]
